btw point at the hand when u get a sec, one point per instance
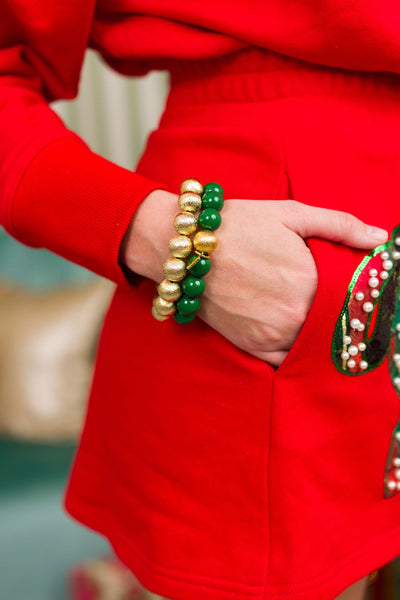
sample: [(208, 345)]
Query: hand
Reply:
[(263, 277)]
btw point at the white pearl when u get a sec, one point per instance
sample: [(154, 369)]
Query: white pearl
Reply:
[(347, 339), (387, 265), (373, 282), (397, 473), (373, 272), (359, 296), (396, 357), (361, 327), (353, 350), (355, 323), (351, 363), (396, 381), (384, 255), (362, 346), (345, 355), (383, 274), (391, 485), (396, 462), (396, 255), (368, 306), (363, 365), (397, 241), (397, 326), (375, 293)]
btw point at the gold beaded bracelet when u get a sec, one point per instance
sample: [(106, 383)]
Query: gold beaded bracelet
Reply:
[(170, 300)]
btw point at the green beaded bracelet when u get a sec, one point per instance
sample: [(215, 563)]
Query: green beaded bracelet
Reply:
[(183, 308)]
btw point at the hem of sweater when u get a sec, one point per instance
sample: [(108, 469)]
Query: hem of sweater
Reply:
[(77, 204), (178, 586)]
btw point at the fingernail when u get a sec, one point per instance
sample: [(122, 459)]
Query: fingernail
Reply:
[(377, 234)]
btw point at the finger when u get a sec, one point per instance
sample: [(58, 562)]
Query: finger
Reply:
[(273, 358), (334, 225)]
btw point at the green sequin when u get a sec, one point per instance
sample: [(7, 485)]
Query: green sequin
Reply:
[(201, 267), (193, 286), (187, 305)]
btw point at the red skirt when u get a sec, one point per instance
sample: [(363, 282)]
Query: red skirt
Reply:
[(214, 476)]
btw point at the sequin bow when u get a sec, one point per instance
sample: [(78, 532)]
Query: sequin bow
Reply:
[(368, 330)]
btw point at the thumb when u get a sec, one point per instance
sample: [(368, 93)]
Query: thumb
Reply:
[(334, 225)]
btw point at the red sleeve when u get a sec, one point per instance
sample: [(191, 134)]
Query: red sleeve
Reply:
[(55, 193)]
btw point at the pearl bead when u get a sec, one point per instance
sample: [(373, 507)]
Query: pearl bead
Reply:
[(174, 269), (363, 365), (373, 272), (359, 296), (387, 265), (397, 473), (383, 274), (205, 241), (396, 357), (355, 323), (345, 355), (362, 346), (384, 255), (353, 350), (351, 363), (185, 223), (397, 241), (368, 307), (391, 485), (396, 254), (347, 339), (163, 307), (397, 435), (169, 290), (361, 327), (396, 462), (375, 293), (189, 202), (397, 326), (396, 382), (191, 185), (157, 316), (373, 282)]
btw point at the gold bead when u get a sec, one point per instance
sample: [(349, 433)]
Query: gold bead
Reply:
[(169, 290), (163, 307), (205, 241), (174, 269), (191, 185), (189, 202), (157, 316), (185, 223), (180, 246)]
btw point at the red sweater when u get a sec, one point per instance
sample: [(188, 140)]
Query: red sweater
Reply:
[(212, 483), (51, 184)]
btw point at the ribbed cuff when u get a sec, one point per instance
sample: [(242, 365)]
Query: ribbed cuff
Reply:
[(78, 205)]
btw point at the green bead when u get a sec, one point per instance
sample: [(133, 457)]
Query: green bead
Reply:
[(212, 200), (193, 286), (187, 305), (183, 319), (201, 267), (209, 219), (214, 187)]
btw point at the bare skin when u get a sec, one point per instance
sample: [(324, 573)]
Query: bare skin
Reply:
[(251, 275), (264, 277)]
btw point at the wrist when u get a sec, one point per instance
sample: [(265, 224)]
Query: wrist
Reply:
[(144, 247)]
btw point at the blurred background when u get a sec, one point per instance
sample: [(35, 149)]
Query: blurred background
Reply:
[(45, 372)]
